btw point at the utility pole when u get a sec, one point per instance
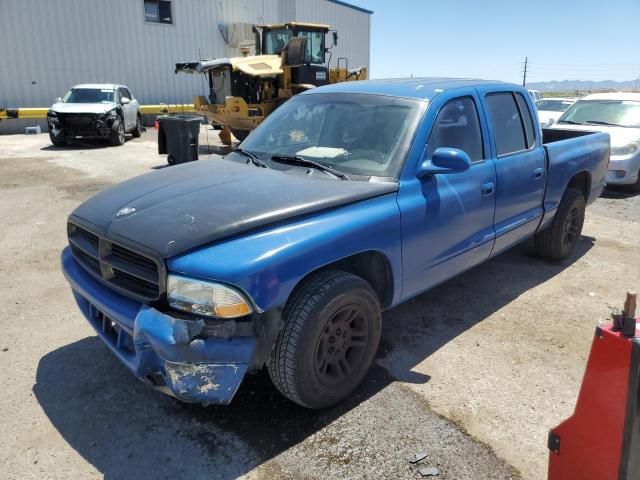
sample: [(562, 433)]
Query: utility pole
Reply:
[(524, 75)]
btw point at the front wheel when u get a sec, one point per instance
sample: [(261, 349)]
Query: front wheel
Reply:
[(117, 133), (559, 240), (240, 134), (331, 332), (57, 141), (635, 187), (137, 130)]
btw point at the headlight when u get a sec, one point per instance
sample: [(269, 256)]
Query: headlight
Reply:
[(206, 298), (628, 149), (109, 114), (51, 113)]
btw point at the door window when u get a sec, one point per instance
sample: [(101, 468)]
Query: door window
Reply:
[(457, 126), (507, 123), (528, 122)]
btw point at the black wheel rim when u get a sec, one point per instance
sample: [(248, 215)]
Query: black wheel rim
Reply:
[(342, 345), (121, 133), (571, 228)]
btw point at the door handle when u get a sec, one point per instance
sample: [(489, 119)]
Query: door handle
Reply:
[(537, 173), (487, 188)]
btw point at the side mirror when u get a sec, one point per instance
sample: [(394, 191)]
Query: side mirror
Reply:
[(445, 160), (57, 100), (550, 122), (124, 100)]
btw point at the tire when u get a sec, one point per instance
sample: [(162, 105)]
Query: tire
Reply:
[(117, 133), (171, 160), (57, 141), (559, 239), (331, 332), (240, 134), (137, 130)]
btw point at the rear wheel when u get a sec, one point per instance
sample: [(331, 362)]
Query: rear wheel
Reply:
[(331, 332), (558, 240), (117, 133)]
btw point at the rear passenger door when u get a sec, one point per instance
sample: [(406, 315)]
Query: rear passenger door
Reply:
[(520, 166)]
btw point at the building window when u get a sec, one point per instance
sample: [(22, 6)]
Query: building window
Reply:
[(158, 11)]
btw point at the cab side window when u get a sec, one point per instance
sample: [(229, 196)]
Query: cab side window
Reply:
[(526, 117), (457, 126), (512, 132)]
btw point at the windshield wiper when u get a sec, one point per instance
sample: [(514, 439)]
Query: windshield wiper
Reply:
[(609, 124), (305, 162), (252, 157), (570, 121)]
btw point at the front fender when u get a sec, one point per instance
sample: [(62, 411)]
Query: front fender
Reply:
[(268, 264)]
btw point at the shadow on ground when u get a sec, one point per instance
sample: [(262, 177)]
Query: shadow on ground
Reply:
[(618, 193), (72, 145), (126, 430)]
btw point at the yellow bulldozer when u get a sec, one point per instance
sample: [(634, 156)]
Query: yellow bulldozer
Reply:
[(290, 58)]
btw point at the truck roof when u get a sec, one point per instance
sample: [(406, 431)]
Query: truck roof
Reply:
[(613, 96), (419, 88)]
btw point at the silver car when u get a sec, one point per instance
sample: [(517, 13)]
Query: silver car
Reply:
[(94, 111), (618, 114)]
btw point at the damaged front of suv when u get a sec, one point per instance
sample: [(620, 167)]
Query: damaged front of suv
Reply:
[(85, 113)]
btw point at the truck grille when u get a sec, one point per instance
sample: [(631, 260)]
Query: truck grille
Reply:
[(129, 272)]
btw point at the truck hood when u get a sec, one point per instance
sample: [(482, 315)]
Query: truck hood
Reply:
[(95, 108), (620, 136), (174, 210)]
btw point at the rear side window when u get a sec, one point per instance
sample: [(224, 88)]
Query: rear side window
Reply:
[(457, 126), (507, 123), (527, 121)]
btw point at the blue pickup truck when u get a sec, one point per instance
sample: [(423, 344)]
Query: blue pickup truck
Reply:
[(348, 200)]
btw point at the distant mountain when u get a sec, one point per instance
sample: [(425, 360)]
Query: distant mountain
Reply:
[(582, 85)]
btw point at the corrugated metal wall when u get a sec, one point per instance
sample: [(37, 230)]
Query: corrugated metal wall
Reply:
[(46, 46)]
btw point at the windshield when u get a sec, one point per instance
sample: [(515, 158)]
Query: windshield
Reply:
[(89, 95), (276, 40), (553, 105), (356, 134), (315, 46), (624, 113)]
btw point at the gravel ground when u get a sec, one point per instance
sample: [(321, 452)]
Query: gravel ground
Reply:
[(473, 372)]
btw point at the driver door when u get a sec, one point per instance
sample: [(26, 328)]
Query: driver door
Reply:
[(447, 219)]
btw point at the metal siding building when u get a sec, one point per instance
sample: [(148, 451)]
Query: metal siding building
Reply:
[(47, 46)]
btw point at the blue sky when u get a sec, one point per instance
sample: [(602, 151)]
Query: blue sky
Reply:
[(564, 39)]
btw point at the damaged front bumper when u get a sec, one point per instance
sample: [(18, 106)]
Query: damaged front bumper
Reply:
[(173, 355), (85, 126)]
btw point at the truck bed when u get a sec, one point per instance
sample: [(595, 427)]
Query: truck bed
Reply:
[(570, 153)]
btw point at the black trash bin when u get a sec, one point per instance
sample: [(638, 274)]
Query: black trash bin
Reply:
[(178, 137)]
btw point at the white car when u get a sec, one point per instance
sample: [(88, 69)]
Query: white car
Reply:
[(551, 109), (619, 115), (94, 111), (535, 95)]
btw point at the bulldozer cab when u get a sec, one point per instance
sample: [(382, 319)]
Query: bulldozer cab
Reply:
[(274, 39)]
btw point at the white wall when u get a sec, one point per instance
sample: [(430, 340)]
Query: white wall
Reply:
[(47, 46)]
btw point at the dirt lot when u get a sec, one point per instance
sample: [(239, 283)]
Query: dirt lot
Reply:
[(474, 372)]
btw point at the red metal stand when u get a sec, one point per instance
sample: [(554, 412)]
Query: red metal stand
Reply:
[(601, 440)]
